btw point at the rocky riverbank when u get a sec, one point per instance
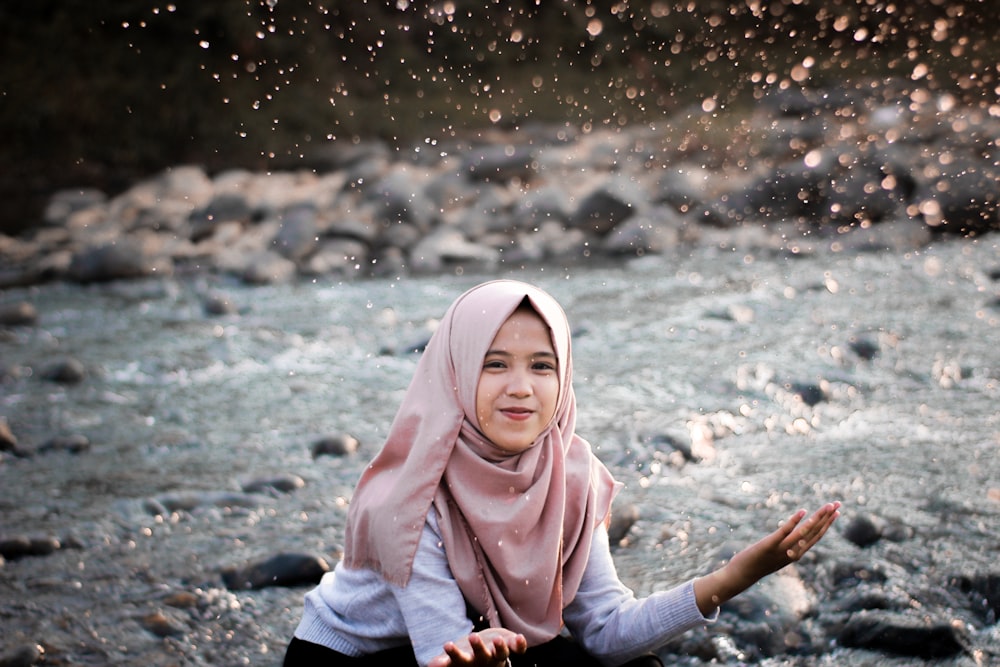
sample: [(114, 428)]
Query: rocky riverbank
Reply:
[(890, 167)]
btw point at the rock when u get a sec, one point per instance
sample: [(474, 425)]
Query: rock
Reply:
[(863, 530), (218, 304), (65, 203), (865, 348), (286, 569), (192, 500), (810, 393), (538, 205), (622, 520), (164, 625), (23, 656), (8, 441), (118, 260), (18, 314), (607, 206), (21, 546), (65, 371), (335, 445), (400, 197), (653, 232), (446, 248), (501, 162), (280, 484), (74, 444), (908, 634), (983, 592), (767, 619), (337, 257), (268, 268), (298, 232)]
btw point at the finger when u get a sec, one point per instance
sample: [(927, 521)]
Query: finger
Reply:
[(456, 654), (812, 531), (500, 651)]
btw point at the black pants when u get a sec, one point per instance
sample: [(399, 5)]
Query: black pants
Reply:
[(556, 653)]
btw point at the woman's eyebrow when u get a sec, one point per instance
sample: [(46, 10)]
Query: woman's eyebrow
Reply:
[(505, 353)]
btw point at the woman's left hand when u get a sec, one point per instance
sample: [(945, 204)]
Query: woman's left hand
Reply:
[(488, 648), (784, 546)]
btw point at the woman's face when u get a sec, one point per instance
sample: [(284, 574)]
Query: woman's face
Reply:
[(519, 383)]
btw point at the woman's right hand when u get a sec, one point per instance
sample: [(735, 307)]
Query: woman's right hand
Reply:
[(488, 648)]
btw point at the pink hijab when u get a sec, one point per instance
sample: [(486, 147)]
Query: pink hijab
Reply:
[(517, 528)]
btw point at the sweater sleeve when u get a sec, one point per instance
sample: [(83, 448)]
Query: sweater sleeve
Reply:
[(615, 626), (432, 604)]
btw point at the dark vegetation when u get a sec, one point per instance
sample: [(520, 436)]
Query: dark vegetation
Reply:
[(99, 93)]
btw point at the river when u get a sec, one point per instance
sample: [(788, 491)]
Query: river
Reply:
[(712, 346)]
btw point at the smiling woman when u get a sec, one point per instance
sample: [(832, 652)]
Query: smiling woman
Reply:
[(479, 531)]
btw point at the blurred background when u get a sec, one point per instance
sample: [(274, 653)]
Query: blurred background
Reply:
[(101, 93)]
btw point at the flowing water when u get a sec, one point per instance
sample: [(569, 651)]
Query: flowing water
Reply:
[(710, 347)]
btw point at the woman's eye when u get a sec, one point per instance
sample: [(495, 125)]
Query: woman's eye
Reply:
[(493, 364), (544, 366)]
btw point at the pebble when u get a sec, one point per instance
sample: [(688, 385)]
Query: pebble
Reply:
[(280, 484), (18, 314), (335, 445), (285, 569), (21, 546), (23, 656), (65, 371)]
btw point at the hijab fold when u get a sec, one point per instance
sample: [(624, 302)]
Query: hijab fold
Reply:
[(517, 528)]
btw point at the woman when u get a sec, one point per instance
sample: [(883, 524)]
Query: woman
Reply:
[(478, 534)]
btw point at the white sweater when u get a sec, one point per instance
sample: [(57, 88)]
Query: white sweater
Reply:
[(355, 612)]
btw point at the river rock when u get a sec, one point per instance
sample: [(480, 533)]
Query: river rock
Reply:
[(18, 314), (286, 569), (864, 530), (298, 233), (122, 259), (8, 441), (280, 484), (911, 634), (21, 546), (74, 443), (622, 520), (268, 268), (68, 370), (192, 500), (335, 445), (983, 591), (217, 304), (23, 656), (164, 624)]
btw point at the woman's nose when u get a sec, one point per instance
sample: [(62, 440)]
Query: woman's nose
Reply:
[(519, 384)]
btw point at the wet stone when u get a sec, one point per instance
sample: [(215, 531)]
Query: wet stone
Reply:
[(163, 625), (17, 314), (904, 634), (23, 656), (73, 444), (286, 569), (21, 546), (8, 441), (279, 484), (864, 530), (219, 304), (335, 445), (65, 371)]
